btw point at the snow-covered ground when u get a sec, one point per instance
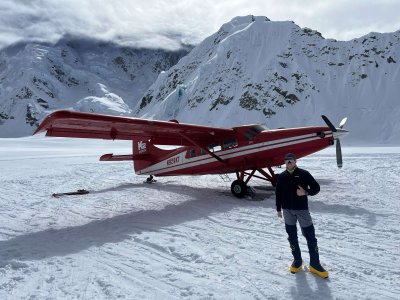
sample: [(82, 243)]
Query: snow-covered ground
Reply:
[(187, 237)]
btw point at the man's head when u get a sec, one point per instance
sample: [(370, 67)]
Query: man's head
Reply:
[(290, 161)]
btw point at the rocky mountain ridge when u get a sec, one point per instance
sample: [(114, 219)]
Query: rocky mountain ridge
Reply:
[(76, 73), (254, 70)]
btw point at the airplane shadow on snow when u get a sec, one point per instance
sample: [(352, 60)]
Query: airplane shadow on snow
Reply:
[(202, 203)]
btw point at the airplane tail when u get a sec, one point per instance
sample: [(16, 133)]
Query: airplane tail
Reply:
[(144, 153)]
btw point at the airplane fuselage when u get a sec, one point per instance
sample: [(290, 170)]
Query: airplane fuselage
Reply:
[(266, 149)]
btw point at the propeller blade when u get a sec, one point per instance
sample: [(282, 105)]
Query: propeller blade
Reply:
[(337, 133), (329, 123), (339, 159), (344, 120)]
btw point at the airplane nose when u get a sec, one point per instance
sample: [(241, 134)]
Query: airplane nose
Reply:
[(339, 133)]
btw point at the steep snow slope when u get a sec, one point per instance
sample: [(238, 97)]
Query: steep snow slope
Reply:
[(251, 71), (85, 75), (257, 71)]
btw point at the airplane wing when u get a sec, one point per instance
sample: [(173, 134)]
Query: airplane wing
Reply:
[(74, 124)]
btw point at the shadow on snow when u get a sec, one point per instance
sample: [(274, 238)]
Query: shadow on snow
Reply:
[(202, 203)]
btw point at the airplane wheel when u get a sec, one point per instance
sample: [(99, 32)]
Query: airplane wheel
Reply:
[(239, 188)]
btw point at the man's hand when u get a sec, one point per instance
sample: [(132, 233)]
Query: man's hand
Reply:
[(300, 191), (279, 214)]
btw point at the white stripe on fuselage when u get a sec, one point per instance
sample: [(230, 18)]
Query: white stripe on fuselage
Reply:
[(163, 167)]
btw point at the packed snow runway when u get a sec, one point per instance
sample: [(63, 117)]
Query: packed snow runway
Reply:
[(188, 237)]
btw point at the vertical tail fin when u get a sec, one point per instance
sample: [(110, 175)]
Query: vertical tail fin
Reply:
[(145, 154)]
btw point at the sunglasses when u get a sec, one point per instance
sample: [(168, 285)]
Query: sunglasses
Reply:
[(289, 161)]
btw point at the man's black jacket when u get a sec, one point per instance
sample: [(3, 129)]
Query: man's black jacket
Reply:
[(286, 196)]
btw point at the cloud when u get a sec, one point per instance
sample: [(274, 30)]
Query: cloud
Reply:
[(345, 20), (162, 23)]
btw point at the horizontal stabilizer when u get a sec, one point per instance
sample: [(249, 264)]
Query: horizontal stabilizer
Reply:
[(112, 157)]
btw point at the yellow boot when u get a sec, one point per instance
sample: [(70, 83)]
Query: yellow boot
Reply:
[(320, 271), (296, 266)]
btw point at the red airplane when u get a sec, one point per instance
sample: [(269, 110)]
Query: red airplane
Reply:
[(203, 150)]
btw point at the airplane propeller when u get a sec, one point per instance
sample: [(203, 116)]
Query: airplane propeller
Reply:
[(337, 134)]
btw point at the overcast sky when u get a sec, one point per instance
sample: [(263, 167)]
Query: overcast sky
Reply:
[(162, 22)]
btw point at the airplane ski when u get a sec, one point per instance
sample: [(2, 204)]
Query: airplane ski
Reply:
[(78, 192)]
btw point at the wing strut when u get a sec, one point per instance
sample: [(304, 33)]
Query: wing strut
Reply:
[(205, 149)]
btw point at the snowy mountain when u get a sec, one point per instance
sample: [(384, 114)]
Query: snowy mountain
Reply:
[(77, 73), (252, 70), (275, 73)]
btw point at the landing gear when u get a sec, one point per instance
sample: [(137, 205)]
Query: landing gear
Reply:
[(239, 187), (150, 179)]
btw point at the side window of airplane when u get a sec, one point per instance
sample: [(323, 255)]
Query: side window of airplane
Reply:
[(192, 152), (214, 147), (252, 132), (249, 135), (230, 143)]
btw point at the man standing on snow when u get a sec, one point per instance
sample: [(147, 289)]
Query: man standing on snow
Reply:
[(292, 188)]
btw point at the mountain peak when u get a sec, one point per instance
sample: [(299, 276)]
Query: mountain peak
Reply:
[(252, 70), (278, 74), (239, 20)]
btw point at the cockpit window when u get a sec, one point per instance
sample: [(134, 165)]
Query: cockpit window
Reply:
[(257, 128), (253, 131), (230, 143)]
